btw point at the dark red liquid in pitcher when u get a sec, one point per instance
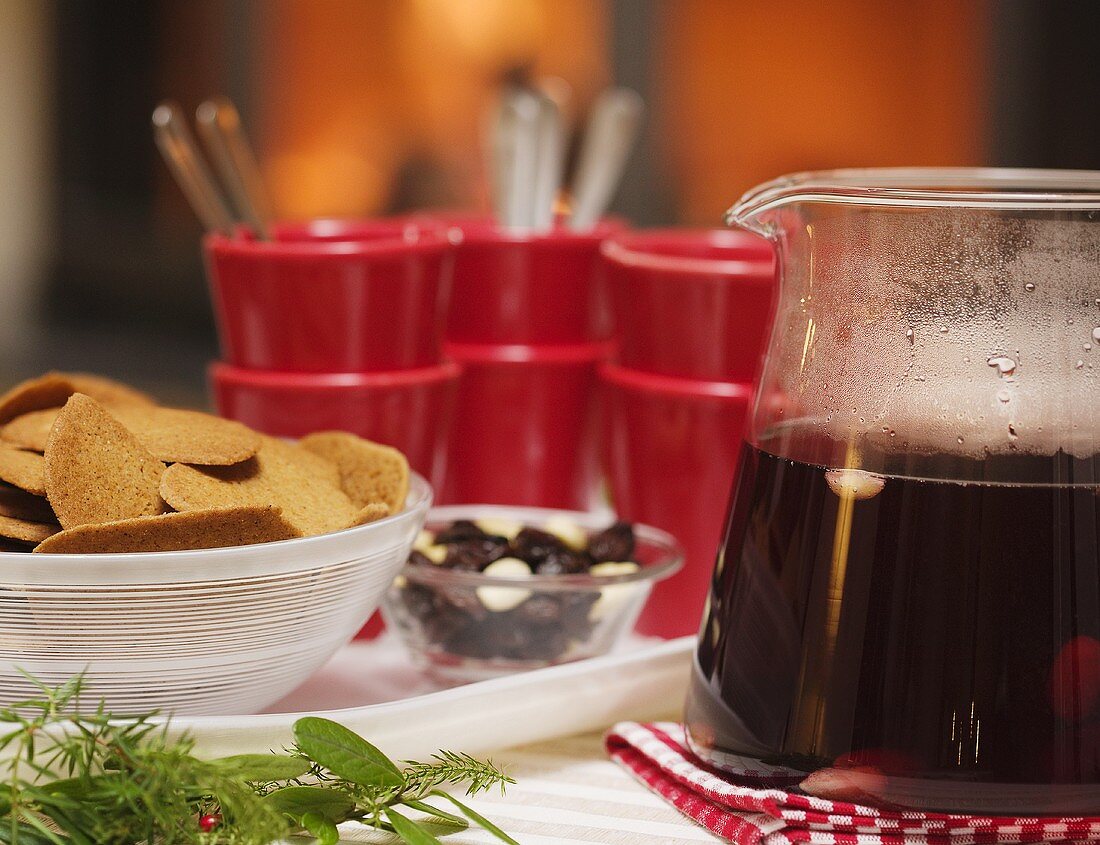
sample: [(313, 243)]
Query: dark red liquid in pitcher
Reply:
[(940, 640)]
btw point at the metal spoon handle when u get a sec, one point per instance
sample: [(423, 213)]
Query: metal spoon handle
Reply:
[(610, 134), (220, 127), (550, 161), (521, 112), (184, 160)]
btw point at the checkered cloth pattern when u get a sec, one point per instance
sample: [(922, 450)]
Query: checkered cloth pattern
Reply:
[(657, 755)]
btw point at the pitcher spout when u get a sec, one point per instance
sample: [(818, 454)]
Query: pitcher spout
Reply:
[(766, 209)]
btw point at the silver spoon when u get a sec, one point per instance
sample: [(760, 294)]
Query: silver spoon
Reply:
[(550, 161), (609, 137), (182, 156), (220, 127), (521, 111)]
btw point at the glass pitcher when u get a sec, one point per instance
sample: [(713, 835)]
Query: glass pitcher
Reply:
[(906, 605)]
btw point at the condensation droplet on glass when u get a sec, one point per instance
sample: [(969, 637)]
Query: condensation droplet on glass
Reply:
[(1079, 364), (1096, 333), (943, 329), (1069, 321), (1012, 432), (1004, 395), (1004, 365), (861, 420), (1029, 287), (918, 378), (959, 440), (909, 335), (1088, 347), (854, 483)]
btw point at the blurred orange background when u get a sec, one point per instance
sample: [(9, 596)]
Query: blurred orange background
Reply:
[(742, 92), (374, 107)]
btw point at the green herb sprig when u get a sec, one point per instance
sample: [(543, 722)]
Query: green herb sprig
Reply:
[(76, 778)]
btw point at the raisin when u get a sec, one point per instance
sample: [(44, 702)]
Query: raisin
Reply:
[(459, 530), (563, 562), (533, 545), (540, 608), (574, 613), (419, 600), (545, 642), (464, 600), (615, 543), (475, 555), (419, 559), (444, 626)]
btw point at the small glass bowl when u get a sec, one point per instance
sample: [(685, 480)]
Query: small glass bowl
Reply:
[(441, 619)]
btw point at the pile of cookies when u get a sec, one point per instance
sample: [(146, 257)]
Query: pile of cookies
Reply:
[(90, 465)]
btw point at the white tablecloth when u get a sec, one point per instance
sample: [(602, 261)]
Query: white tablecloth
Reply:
[(567, 791)]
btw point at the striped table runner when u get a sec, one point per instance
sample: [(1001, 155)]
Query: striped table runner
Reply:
[(567, 791)]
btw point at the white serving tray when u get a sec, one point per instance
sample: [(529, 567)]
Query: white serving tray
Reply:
[(371, 688)]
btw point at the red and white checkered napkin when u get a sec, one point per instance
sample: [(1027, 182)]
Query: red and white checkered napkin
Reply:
[(657, 755)]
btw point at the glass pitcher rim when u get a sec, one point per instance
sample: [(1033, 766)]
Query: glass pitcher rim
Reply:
[(991, 188)]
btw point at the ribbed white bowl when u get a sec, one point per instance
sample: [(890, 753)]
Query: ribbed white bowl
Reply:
[(212, 631)]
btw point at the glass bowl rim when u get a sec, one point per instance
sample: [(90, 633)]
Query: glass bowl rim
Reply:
[(670, 561)]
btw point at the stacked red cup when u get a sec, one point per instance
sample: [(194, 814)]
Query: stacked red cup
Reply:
[(692, 309), (337, 325), (528, 324)]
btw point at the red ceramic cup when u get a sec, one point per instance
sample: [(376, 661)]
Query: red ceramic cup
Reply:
[(524, 429), (670, 448), (332, 296), (690, 303), (408, 409), (528, 288)]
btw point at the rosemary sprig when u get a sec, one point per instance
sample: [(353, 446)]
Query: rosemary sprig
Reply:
[(79, 778)]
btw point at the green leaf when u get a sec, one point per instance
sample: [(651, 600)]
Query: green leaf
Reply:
[(410, 831), (262, 768), (345, 753), (477, 818), (296, 801), (322, 829), (425, 807)]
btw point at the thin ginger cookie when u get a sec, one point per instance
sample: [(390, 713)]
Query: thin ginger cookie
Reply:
[(188, 437), (170, 532), (30, 431), (19, 504), (105, 391), (48, 391), (275, 476), (369, 472), (96, 470), (26, 531), (372, 513), (306, 460), (25, 470)]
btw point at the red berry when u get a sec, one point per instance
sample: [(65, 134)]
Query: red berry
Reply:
[(1075, 679), (208, 823)]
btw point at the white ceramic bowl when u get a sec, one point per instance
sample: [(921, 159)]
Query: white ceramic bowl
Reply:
[(211, 631)]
